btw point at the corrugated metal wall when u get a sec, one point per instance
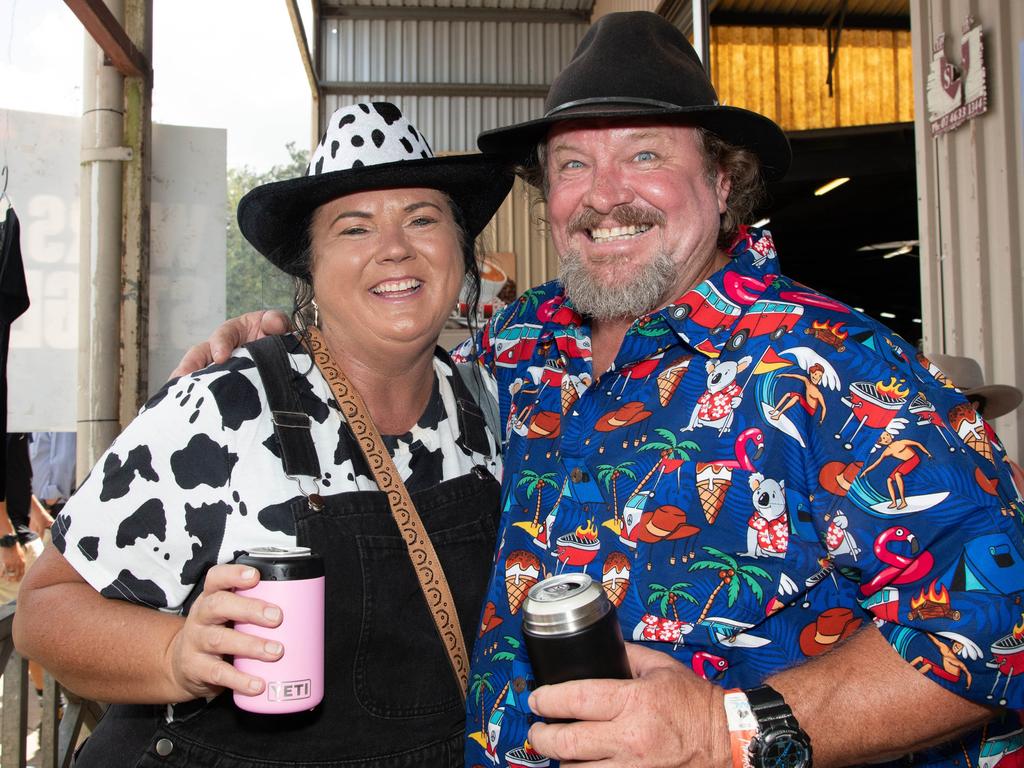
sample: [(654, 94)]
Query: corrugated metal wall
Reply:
[(971, 202), (473, 53)]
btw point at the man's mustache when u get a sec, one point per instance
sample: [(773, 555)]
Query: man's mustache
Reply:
[(623, 215)]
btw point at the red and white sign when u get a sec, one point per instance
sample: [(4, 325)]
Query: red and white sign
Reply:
[(957, 95)]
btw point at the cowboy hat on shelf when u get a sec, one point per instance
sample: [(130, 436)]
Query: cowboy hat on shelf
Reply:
[(637, 64)]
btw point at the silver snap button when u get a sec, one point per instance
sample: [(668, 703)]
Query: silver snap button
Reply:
[(164, 747)]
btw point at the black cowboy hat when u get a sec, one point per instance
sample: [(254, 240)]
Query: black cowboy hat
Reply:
[(368, 147), (636, 64)]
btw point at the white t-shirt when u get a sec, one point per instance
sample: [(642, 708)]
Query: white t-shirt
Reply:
[(196, 478)]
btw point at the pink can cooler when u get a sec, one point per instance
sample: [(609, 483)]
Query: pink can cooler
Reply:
[(293, 579)]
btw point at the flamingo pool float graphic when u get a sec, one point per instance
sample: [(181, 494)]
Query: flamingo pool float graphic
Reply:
[(902, 569), (708, 666)]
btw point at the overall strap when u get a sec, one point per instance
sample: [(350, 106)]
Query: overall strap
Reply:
[(291, 423)]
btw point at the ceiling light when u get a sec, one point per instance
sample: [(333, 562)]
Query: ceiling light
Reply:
[(763, 222), (888, 246), (887, 315), (858, 309), (898, 252), (824, 189), (916, 320)]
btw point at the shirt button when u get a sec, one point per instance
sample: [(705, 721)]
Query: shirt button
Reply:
[(577, 475), (164, 747)]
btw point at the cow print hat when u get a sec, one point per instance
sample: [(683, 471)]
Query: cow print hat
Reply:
[(367, 147)]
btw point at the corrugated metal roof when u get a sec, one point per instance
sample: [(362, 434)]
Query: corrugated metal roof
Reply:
[(814, 7), (538, 5)]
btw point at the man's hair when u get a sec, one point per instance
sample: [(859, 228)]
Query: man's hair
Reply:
[(816, 367), (742, 168)]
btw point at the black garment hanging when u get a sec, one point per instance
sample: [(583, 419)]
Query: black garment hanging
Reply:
[(13, 303)]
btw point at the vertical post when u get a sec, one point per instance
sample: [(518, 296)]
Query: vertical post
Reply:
[(100, 252), (15, 712), (138, 101), (702, 32)]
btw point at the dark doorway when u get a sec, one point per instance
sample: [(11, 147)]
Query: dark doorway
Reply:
[(820, 238)]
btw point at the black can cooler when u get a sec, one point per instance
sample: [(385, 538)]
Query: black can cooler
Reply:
[(572, 631)]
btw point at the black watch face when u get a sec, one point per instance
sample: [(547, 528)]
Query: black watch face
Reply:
[(783, 752)]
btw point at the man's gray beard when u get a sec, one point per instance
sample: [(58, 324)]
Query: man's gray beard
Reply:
[(622, 300)]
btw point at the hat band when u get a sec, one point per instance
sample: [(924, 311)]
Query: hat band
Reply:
[(821, 639), (625, 100)]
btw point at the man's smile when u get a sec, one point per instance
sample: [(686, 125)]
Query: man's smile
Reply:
[(611, 234)]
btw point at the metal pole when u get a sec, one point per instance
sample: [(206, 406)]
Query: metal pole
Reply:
[(702, 32), (100, 252)]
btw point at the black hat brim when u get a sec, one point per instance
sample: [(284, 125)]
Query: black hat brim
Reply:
[(272, 216), (737, 126)]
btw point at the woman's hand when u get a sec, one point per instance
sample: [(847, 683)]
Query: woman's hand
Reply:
[(197, 651)]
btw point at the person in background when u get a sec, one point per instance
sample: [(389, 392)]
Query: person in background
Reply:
[(989, 400), (53, 477), (257, 452)]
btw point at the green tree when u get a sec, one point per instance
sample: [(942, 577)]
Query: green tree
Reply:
[(669, 596), (609, 475), (538, 483), (480, 684), (252, 281)]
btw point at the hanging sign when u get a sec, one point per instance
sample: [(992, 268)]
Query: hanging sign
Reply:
[(957, 94)]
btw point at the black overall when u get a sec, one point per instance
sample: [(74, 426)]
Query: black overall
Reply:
[(391, 699)]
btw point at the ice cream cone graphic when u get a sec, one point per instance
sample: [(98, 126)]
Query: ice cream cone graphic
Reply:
[(668, 381), (713, 481), (522, 569), (569, 394), (971, 429), (615, 577)]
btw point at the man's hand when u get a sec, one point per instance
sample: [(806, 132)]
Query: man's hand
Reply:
[(231, 334), (196, 654), (13, 561), (665, 716)]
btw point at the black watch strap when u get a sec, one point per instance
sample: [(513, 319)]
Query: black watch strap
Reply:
[(776, 725), (770, 708)]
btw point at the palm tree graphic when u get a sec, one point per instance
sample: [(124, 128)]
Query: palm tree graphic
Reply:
[(731, 574), (480, 684), (535, 483), (669, 596), (609, 474), (672, 450)]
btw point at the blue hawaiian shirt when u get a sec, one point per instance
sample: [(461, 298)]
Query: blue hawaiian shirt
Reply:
[(762, 471)]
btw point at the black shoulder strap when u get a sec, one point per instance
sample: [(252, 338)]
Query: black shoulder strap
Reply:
[(291, 423), (470, 374)]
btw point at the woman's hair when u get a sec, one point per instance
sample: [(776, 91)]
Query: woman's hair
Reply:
[(742, 167), (298, 262)]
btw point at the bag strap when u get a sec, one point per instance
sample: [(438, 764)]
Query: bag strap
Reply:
[(421, 551), (291, 423)]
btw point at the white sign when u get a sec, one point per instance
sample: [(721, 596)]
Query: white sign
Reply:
[(957, 95), (187, 257)]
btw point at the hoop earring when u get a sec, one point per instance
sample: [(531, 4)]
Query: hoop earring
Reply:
[(316, 313)]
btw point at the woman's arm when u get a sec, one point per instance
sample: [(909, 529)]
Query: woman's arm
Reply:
[(117, 652)]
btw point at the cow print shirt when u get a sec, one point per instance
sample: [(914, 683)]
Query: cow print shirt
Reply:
[(196, 477)]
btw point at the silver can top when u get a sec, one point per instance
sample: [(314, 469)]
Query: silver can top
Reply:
[(278, 553), (562, 605)]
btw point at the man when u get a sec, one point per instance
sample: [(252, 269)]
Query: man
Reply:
[(906, 452), (647, 181)]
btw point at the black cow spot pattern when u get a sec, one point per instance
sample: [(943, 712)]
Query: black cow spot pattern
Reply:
[(237, 399), (89, 546), (407, 144), (203, 461), (118, 477), (147, 520), (206, 523), (345, 120), (365, 109), (357, 163), (278, 517), (358, 141), (335, 145), (388, 111), (319, 166), (377, 137), (155, 399), (127, 586)]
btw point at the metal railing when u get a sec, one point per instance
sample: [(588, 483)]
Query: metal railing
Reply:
[(58, 732)]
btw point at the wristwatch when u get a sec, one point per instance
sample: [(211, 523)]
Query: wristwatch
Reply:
[(9, 540), (780, 742)]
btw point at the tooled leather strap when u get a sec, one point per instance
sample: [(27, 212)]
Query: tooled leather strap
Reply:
[(421, 552)]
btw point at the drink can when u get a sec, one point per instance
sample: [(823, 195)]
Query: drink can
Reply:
[(572, 631), (291, 578)]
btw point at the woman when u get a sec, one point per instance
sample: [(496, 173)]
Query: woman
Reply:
[(379, 236)]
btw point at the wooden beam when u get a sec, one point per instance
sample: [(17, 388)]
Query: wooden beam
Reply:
[(300, 37), (110, 37), (377, 88), (451, 13)]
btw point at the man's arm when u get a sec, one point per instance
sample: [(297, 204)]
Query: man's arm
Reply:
[(859, 703), (230, 335), (12, 558)]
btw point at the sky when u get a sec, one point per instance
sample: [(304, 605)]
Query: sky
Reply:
[(230, 64)]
